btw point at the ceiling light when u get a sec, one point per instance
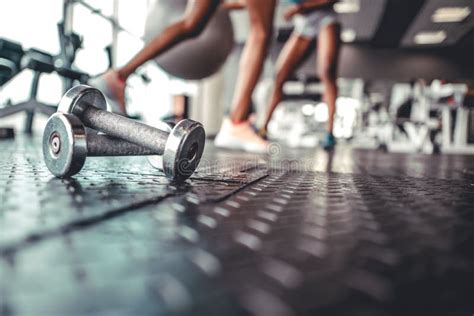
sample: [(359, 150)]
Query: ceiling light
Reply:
[(347, 6), (450, 14), (430, 37), (348, 35)]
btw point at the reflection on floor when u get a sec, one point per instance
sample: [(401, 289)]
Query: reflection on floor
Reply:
[(294, 232)]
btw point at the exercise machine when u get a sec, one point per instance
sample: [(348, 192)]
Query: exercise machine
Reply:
[(13, 60)]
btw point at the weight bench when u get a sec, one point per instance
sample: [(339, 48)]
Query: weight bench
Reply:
[(39, 62)]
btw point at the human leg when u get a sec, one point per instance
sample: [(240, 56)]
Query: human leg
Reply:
[(327, 60), (191, 25), (288, 60), (236, 132), (261, 14)]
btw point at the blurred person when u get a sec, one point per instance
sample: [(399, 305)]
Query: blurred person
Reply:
[(313, 19), (113, 82), (236, 132)]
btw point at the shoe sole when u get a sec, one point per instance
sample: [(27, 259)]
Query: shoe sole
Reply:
[(236, 145)]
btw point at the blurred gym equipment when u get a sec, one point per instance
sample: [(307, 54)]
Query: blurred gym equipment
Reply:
[(7, 133), (10, 59), (40, 62), (301, 118), (430, 119), (457, 118)]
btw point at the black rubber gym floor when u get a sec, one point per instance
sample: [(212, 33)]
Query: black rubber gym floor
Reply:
[(305, 232)]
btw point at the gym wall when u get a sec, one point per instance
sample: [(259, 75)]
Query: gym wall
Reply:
[(358, 61)]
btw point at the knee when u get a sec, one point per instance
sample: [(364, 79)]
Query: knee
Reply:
[(192, 27), (262, 35), (327, 73)]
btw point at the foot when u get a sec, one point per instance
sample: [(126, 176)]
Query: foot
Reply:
[(329, 141), (113, 88), (240, 136), (262, 132)]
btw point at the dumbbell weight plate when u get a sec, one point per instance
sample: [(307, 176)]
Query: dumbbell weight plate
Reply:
[(64, 145), (81, 94), (183, 150)]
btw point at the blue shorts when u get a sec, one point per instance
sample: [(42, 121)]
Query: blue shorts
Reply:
[(309, 25)]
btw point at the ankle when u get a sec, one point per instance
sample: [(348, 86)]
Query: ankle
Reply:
[(121, 75), (236, 120)]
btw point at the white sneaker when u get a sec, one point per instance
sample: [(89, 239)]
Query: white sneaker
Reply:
[(240, 137)]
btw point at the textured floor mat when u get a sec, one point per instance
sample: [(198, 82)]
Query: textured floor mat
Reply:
[(246, 235)]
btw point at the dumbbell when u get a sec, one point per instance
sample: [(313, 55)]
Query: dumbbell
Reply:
[(66, 145), (181, 148)]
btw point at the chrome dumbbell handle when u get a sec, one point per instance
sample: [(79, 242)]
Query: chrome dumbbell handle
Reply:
[(124, 128), (103, 145)]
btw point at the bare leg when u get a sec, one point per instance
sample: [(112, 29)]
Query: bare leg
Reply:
[(251, 63), (327, 59), (191, 25), (288, 60)]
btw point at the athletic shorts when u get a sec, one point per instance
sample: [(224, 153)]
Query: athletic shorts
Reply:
[(309, 25)]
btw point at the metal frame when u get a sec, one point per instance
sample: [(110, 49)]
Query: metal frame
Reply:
[(32, 106)]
